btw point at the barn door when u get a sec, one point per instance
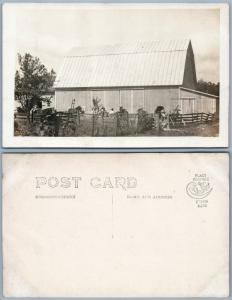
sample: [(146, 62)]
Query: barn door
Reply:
[(187, 105)]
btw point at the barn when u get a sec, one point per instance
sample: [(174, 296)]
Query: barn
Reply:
[(140, 75)]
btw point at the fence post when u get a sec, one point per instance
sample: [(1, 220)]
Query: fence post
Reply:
[(78, 117), (168, 127), (115, 124), (93, 124)]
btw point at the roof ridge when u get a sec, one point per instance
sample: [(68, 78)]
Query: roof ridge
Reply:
[(131, 48), (121, 53)]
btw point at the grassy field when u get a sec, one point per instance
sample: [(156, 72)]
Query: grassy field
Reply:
[(23, 128), (210, 129)]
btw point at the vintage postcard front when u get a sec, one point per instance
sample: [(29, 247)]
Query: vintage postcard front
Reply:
[(115, 225), (115, 75)]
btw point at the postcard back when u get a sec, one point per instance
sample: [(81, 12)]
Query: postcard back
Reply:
[(115, 225)]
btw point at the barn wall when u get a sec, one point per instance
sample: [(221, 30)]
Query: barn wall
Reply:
[(64, 99), (130, 99), (167, 97), (196, 103), (125, 99), (111, 99)]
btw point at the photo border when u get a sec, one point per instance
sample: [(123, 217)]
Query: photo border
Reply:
[(9, 140)]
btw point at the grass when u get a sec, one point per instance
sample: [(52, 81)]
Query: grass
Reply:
[(23, 128), (210, 129)]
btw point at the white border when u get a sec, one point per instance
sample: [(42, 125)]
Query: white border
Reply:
[(9, 140)]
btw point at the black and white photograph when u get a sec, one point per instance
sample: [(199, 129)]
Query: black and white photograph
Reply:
[(115, 74)]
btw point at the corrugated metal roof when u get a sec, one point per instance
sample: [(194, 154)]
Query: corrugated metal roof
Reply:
[(154, 63)]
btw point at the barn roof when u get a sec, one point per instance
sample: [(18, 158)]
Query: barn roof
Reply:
[(156, 63)]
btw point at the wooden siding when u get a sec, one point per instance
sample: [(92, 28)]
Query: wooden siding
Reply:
[(111, 99), (138, 99), (63, 99), (191, 102), (130, 99), (125, 99), (164, 97)]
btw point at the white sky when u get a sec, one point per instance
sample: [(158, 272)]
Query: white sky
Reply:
[(50, 31)]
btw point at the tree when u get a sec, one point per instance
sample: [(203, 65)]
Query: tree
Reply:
[(208, 87), (33, 82)]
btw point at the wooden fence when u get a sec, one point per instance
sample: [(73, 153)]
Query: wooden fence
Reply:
[(176, 120), (74, 124)]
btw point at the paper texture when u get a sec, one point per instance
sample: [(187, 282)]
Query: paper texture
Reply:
[(115, 225)]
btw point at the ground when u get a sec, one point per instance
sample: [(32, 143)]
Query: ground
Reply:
[(210, 129)]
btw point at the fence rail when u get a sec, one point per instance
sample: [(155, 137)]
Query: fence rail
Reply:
[(75, 124)]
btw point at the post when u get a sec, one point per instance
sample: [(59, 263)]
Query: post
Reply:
[(168, 127), (143, 98), (120, 98), (132, 94), (93, 125)]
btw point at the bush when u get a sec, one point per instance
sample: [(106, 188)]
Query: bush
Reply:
[(145, 121), (16, 125), (20, 110), (122, 122)]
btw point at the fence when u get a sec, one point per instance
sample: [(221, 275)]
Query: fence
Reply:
[(76, 124), (175, 120)]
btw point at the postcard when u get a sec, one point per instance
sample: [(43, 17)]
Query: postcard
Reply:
[(116, 225), (115, 75)]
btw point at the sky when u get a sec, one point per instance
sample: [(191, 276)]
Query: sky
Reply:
[(51, 31)]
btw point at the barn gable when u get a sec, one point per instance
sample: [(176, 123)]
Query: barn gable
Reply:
[(157, 63), (190, 79)]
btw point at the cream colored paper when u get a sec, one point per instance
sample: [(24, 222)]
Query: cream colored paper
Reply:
[(134, 225)]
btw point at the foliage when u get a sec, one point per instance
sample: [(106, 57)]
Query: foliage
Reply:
[(145, 121), (33, 82), (122, 121), (20, 110), (208, 87), (97, 106)]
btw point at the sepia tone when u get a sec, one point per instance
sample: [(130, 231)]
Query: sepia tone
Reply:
[(112, 77)]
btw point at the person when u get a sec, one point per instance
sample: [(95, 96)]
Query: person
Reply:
[(161, 119), (103, 112), (160, 111), (32, 111), (162, 114)]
